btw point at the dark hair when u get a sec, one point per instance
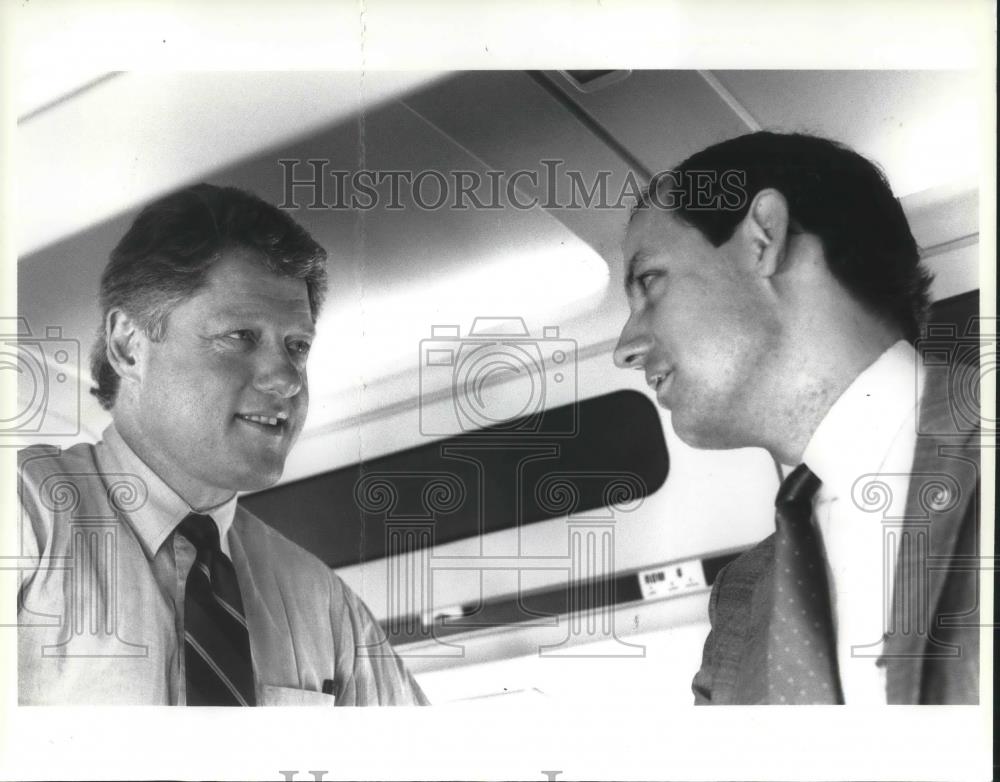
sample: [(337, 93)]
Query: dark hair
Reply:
[(166, 255), (832, 192)]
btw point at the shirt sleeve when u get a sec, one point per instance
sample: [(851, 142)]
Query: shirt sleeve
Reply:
[(378, 676), (28, 555), (30, 528)]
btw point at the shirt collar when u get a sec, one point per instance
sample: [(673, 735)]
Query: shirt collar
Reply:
[(857, 433), (164, 509)]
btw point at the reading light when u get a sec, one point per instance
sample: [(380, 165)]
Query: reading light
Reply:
[(374, 333)]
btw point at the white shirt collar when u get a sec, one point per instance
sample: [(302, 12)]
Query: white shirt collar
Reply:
[(857, 433), (163, 509)]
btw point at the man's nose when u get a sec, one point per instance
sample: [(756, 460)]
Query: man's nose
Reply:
[(278, 373), (630, 352)]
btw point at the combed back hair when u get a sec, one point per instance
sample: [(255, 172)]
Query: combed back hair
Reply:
[(832, 192), (166, 255)]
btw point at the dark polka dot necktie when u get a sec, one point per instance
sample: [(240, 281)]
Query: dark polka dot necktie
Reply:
[(219, 671), (802, 665)]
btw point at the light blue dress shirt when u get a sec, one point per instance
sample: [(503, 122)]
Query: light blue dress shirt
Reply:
[(101, 594)]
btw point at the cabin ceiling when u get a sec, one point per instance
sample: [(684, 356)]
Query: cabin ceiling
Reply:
[(90, 154)]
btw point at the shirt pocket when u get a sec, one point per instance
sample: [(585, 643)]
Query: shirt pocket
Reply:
[(272, 695)]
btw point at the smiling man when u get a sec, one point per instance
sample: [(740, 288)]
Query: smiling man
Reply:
[(785, 321), (150, 584)]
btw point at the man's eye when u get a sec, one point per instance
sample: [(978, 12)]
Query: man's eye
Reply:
[(241, 334), (646, 279), (301, 346)]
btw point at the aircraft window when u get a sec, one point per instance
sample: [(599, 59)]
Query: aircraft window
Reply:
[(608, 450)]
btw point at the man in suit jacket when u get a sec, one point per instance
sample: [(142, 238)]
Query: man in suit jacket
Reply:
[(148, 584), (776, 294)]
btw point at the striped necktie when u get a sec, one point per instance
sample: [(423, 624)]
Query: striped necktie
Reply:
[(801, 654), (219, 671)]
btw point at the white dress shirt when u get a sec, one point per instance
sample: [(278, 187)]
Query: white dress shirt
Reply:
[(163, 509), (862, 451)]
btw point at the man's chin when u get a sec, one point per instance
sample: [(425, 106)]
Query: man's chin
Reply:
[(697, 435), (258, 480)]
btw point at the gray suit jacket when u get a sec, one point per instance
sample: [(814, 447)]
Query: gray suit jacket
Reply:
[(931, 651)]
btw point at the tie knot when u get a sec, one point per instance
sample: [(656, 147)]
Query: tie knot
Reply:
[(800, 486), (201, 531)]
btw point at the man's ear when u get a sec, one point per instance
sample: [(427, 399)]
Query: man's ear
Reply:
[(765, 232), (126, 344)]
